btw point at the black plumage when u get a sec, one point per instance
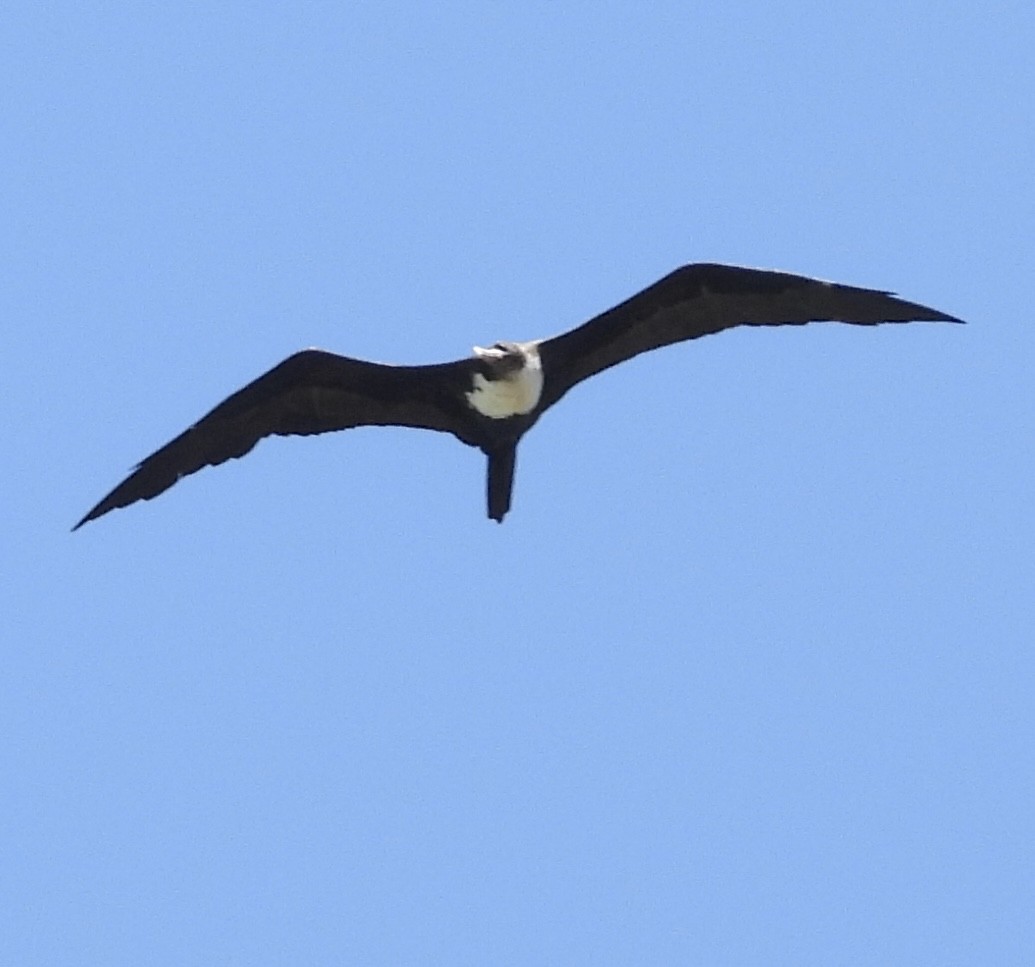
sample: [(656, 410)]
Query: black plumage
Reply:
[(316, 392)]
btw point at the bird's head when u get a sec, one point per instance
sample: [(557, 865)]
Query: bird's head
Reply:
[(501, 359)]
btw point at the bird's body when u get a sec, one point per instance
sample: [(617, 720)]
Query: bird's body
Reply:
[(491, 399), (513, 393)]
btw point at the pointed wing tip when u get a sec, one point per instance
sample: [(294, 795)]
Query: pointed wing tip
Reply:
[(92, 514), (910, 311), (927, 314), (943, 317), (921, 313)]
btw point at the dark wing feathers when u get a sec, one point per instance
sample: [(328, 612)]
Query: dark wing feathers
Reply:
[(309, 392), (315, 391), (697, 300)]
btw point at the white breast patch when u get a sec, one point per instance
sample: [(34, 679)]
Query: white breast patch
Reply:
[(514, 396)]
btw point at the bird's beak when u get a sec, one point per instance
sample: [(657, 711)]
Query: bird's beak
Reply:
[(482, 353)]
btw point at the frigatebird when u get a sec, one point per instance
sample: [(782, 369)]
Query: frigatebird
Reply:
[(491, 399)]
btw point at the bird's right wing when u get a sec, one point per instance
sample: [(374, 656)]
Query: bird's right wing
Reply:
[(699, 299), (310, 392)]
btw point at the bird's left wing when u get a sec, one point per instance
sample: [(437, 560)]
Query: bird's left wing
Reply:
[(310, 392), (705, 298)]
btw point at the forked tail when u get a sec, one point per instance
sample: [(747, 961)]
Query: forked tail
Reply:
[(501, 480)]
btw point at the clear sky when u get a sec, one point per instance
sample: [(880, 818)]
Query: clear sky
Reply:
[(747, 675)]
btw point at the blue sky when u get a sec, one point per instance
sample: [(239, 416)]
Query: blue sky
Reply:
[(746, 676)]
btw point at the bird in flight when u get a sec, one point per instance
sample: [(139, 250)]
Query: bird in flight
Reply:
[(493, 398)]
